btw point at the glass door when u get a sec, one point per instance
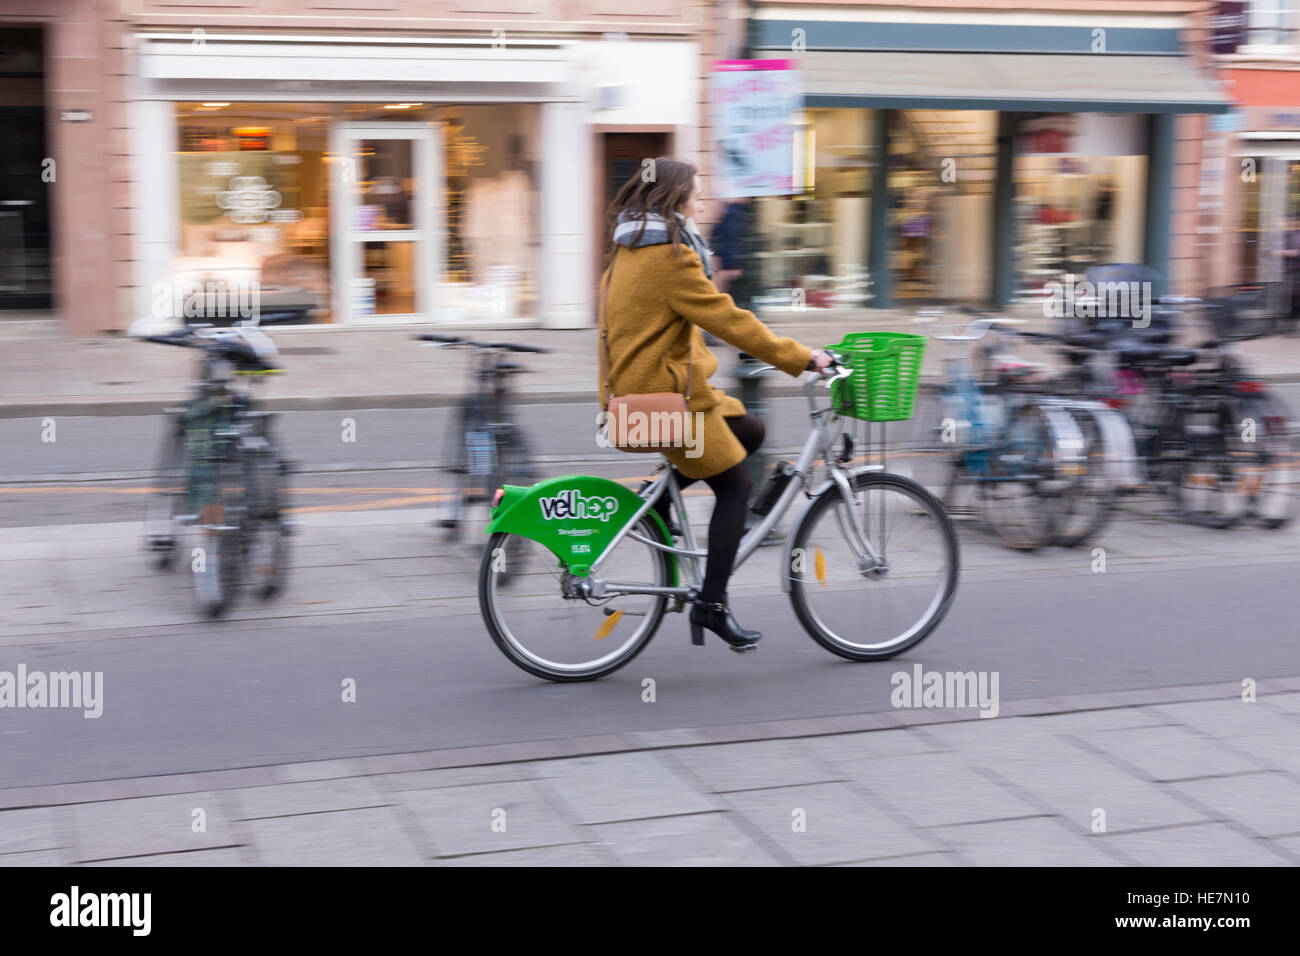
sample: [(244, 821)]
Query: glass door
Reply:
[(387, 221)]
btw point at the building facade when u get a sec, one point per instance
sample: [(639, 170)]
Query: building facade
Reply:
[(968, 150), (1251, 179), (344, 162)]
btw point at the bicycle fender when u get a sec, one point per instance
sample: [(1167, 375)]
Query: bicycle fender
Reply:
[(1066, 436), (575, 517), (1117, 438)]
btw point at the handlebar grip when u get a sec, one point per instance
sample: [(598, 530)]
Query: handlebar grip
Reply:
[(431, 337), (528, 349)]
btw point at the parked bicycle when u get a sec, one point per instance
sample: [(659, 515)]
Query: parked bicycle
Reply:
[(1034, 461), (220, 474), (579, 571), (1211, 437), (486, 447)]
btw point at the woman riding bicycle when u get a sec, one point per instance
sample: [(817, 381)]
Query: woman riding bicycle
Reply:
[(658, 296)]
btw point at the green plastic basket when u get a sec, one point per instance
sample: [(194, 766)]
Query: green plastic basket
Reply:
[(886, 372)]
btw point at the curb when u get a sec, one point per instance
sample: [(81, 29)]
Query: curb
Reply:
[(537, 750)]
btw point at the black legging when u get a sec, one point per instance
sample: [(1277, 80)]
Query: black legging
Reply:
[(731, 488)]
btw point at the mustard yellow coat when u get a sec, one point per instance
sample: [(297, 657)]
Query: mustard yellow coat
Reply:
[(659, 300)]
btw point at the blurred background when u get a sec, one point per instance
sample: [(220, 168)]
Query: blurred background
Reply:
[(363, 172), (453, 165)]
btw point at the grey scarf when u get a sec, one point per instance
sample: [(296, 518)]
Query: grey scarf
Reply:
[(656, 234)]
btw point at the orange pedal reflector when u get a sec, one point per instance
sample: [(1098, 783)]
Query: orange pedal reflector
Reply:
[(609, 625)]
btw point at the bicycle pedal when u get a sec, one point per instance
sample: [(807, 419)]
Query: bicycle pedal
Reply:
[(744, 648)]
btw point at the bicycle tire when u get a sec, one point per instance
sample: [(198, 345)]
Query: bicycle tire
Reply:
[(1102, 495), (936, 611), (165, 501), (505, 641), (221, 526)]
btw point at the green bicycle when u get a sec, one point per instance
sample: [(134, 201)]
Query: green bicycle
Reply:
[(579, 571)]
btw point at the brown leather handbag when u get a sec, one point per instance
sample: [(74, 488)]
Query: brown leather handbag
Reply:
[(648, 421)]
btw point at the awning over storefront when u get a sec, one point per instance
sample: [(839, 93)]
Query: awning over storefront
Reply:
[(1076, 83)]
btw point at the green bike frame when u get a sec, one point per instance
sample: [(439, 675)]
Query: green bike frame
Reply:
[(575, 517)]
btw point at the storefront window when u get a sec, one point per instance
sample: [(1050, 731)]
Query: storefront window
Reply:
[(492, 212), (253, 199), (941, 177), (261, 195), (814, 244), (1251, 235), (1080, 188)]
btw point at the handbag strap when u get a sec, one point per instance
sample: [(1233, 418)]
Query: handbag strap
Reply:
[(602, 321)]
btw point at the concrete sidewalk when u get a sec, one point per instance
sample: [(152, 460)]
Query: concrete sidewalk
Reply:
[(1177, 776), (43, 373)]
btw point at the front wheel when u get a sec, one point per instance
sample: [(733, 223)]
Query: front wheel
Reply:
[(872, 577)]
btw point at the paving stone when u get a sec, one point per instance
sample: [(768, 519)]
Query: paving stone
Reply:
[(371, 837), (995, 735), (698, 839), (856, 754), (36, 858), (915, 859), (145, 825), (1209, 844), (456, 776), (1073, 783), (840, 825), (1226, 718), (225, 856), (1171, 752), (1087, 721), (750, 766), (290, 799), (1036, 841), (937, 789), (459, 819), (29, 829), (628, 786), (577, 854), (1266, 803)]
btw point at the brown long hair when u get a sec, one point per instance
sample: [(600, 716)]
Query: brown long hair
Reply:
[(665, 194)]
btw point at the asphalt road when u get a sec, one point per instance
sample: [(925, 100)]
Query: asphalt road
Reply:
[(245, 693), (232, 695)]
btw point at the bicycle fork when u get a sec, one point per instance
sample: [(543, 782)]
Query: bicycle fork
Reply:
[(869, 560)]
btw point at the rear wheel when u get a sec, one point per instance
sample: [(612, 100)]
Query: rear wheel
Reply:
[(166, 499), (1017, 490), (265, 536), (216, 562), (537, 614), (1210, 481), (1085, 505), (1270, 471), (871, 578)]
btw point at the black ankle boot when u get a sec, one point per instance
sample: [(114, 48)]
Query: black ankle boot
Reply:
[(719, 619)]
